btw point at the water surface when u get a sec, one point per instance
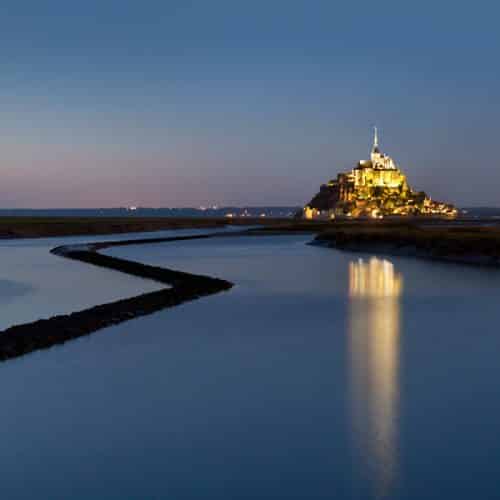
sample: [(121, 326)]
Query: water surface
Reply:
[(320, 375), (35, 284)]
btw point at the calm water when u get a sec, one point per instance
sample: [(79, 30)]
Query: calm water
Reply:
[(320, 375), (35, 284)]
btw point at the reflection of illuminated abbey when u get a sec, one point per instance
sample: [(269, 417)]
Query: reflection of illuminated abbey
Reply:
[(375, 279), (375, 187), (375, 289)]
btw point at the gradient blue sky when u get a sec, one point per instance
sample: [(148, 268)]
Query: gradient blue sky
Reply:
[(184, 103)]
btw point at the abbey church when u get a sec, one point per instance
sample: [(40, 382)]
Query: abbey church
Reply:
[(374, 188)]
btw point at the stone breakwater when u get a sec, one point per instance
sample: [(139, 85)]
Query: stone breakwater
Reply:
[(181, 287)]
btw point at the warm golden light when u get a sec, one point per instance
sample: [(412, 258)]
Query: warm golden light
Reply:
[(373, 188), (375, 278), (374, 290)]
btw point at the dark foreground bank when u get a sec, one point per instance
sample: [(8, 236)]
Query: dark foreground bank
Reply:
[(44, 227), (467, 244)]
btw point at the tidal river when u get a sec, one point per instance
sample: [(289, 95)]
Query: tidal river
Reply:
[(321, 374)]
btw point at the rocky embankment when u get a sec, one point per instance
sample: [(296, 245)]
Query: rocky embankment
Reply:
[(466, 244), (181, 287)]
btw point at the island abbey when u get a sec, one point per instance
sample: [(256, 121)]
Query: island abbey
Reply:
[(374, 188)]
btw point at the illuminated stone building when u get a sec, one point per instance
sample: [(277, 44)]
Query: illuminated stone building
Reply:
[(374, 187)]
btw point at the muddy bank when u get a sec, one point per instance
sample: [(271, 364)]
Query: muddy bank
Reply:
[(181, 287), (44, 227), (464, 245)]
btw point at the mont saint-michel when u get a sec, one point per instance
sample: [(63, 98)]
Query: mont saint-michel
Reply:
[(373, 188)]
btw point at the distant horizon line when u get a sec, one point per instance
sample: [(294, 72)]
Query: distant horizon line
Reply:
[(140, 207), (133, 208)]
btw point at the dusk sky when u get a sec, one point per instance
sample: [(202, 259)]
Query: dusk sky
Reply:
[(185, 103)]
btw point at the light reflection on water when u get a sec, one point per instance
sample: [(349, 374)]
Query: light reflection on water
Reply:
[(375, 288), (280, 388)]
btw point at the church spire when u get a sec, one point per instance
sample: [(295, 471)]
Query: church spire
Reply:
[(375, 139)]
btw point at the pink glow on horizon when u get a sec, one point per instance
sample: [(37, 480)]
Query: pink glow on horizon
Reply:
[(58, 177)]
